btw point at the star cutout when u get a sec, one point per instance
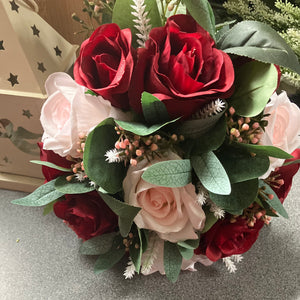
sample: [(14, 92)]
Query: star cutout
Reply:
[(57, 51), (14, 6), (1, 45), (27, 113), (35, 31), (13, 79), (41, 67)]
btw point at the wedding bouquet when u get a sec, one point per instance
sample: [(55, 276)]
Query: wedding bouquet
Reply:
[(171, 146)]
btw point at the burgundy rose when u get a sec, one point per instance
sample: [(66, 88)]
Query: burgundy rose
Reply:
[(286, 173), (50, 156), (226, 239), (181, 66), (105, 64), (87, 214)]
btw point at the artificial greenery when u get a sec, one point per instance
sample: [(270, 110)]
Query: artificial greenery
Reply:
[(283, 16)]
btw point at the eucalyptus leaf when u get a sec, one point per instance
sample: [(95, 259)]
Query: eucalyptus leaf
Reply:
[(202, 12), (125, 212), (255, 82), (120, 208), (43, 195), (154, 110), (186, 253), (209, 221), (123, 16), (240, 165), (142, 129), (98, 244), (242, 195), (172, 261), (106, 260), (72, 187), (189, 244), (50, 165), (171, 173), (136, 250), (49, 208), (260, 42), (125, 225), (211, 173), (209, 141), (264, 150), (275, 202), (109, 176)]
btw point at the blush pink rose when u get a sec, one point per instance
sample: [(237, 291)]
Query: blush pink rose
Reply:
[(171, 212), (68, 111), (283, 128)]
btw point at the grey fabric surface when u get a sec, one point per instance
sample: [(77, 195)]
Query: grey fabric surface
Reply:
[(46, 264)]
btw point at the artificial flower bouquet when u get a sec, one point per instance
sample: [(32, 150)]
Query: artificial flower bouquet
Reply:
[(171, 146)]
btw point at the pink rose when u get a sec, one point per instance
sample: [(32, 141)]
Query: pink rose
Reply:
[(68, 111), (283, 127), (171, 212)]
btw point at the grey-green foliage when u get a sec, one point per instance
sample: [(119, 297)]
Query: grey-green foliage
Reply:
[(283, 17)]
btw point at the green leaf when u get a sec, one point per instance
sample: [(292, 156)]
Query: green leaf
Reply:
[(89, 92), (122, 15), (197, 128), (140, 128), (260, 42), (145, 239), (106, 260), (109, 176), (297, 161), (189, 244), (255, 82), (49, 208), (211, 173), (209, 221), (209, 141), (202, 12), (125, 212), (50, 165), (136, 253), (43, 195), (264, 150), (154, 110), (240, 165), (242, 195), (98, 244), (185, 252), (171, 173), (275, 202), (125, 225), (72, 187), (172, 261)]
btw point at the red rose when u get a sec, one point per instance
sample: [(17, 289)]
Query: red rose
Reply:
[(87, 214), (105, 64), (226, 239), (181, 66), (286, 173), (50, 156)]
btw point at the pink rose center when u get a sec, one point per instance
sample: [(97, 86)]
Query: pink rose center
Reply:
[(159, 203)]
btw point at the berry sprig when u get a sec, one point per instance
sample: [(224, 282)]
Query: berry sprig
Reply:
[(247, 130), (133, 148)]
